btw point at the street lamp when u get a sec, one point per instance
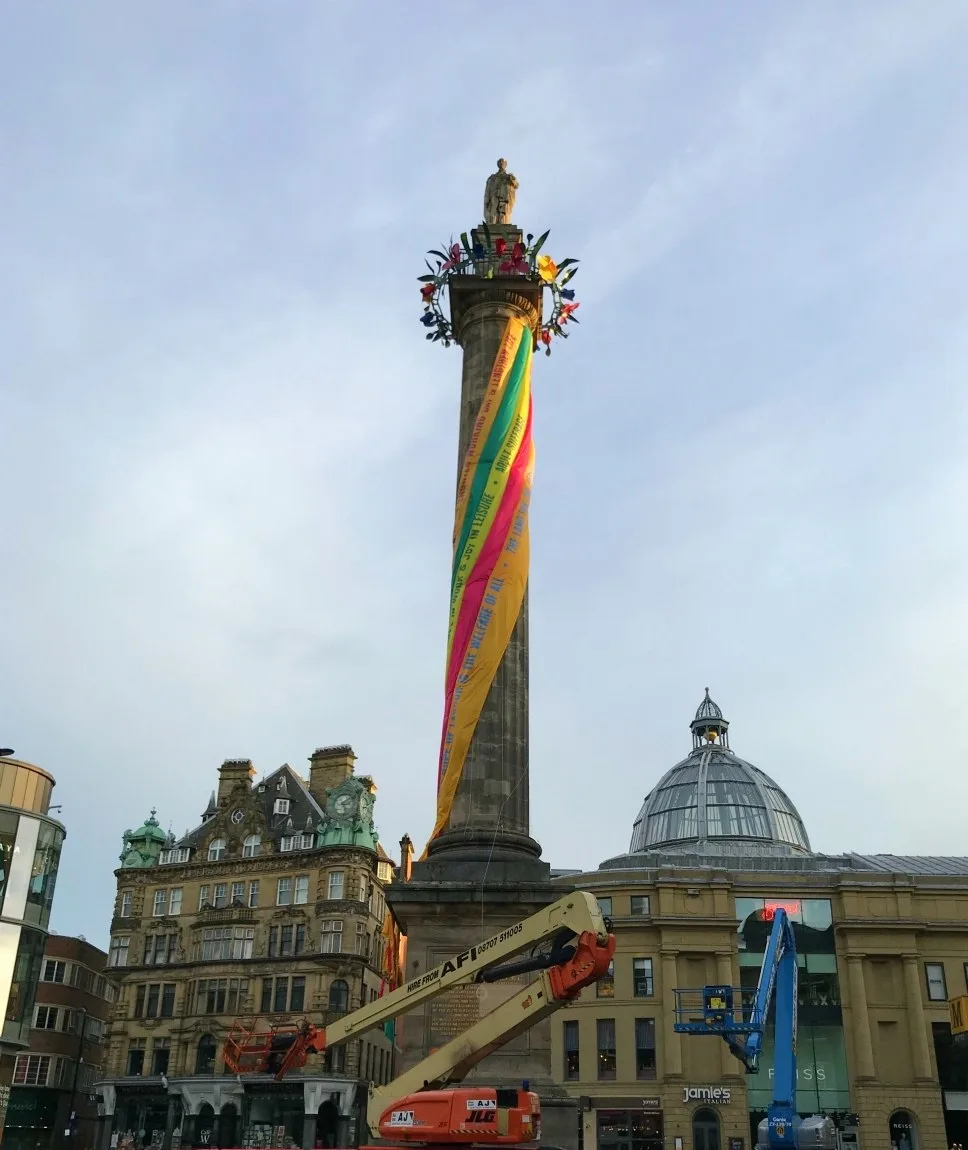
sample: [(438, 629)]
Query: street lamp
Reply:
[(71, 1125)]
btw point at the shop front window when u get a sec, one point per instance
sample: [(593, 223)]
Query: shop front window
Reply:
[(630, 1130), (902, 1130)]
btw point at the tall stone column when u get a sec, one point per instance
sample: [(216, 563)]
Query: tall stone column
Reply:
[(917, 1020), (863, 1050), (490, 818), (673, 1046)]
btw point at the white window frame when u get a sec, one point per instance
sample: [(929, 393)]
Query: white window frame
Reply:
[(300, 890), (118, 954), (243, 941), (175, 901), (254, 893), (335, 885), (204, 895), (220, 895), (300, 842), (252, 846), (284, 886), (280, 807), (127, 899), (56, 964), (331, 936), (40, 1063), (160, 906), (174, 855), (50, 1017), (217, 850)]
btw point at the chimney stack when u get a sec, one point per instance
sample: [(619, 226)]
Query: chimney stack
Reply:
[(328, 767), (230, 774), (406, 857)]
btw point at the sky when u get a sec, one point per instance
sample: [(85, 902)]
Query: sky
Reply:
[(228, 454)]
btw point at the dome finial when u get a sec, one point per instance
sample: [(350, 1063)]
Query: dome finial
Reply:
[(709, 726)]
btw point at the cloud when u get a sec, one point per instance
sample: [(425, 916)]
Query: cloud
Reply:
[(228, 464)]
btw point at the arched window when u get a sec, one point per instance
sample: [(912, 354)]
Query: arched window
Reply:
[(705, 1129), (339, 997), (205, 1056), (216, 850), (903, 1131), (252, 846)]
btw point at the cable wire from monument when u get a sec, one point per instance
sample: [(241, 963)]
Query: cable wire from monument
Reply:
[(490, 853)]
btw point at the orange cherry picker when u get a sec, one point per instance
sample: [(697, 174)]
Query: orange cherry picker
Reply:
[(568, 943)]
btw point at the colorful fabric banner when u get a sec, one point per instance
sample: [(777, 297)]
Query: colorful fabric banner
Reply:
[(491, 553)]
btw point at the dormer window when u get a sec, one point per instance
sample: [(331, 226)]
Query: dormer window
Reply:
[(216, 850), (251, 847), (281, 807)]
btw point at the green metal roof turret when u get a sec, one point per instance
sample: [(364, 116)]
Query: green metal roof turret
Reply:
[(142, 847)]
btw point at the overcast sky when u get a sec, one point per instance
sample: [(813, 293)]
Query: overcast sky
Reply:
[(229, 456)]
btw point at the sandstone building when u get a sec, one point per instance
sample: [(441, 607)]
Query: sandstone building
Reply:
[(882, 944), (273, 907)]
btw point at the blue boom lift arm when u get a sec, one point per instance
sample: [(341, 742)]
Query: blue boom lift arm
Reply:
[(742, 1026)]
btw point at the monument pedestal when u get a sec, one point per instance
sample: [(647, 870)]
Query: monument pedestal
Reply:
[(454, 899)]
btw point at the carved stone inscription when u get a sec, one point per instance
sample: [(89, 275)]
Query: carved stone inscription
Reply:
[(454, 1012)]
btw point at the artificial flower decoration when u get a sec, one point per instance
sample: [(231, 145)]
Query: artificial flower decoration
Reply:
[(547, 269), (489, 258)]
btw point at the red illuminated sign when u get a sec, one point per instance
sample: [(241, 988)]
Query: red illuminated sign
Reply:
[(770, 907)]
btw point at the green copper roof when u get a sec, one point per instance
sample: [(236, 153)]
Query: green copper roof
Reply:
[(142, 847)]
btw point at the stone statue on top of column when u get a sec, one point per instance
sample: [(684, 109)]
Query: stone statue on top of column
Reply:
[(499, 193)]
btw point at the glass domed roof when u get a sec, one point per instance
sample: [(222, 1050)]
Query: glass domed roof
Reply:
[(714, 802)]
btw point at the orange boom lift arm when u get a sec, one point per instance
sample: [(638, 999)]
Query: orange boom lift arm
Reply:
[(570, 945)]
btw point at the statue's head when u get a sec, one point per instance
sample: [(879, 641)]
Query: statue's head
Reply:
[(502, 165)]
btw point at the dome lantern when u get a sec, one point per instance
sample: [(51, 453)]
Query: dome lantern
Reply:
[(709, 726)]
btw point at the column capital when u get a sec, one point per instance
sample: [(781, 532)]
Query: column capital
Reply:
[(856, 957), (668, 952), (910, 959)]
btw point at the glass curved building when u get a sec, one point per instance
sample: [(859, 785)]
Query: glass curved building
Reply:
[(30, 847)]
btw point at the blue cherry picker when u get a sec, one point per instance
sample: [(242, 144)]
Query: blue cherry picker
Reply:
[(741, 1023)]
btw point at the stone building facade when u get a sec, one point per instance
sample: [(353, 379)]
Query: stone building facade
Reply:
[(882, 944), (271, 908), (53, 1079)]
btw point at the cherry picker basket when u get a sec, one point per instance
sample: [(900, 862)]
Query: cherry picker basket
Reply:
[(251, 1050), (717, 1010)]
